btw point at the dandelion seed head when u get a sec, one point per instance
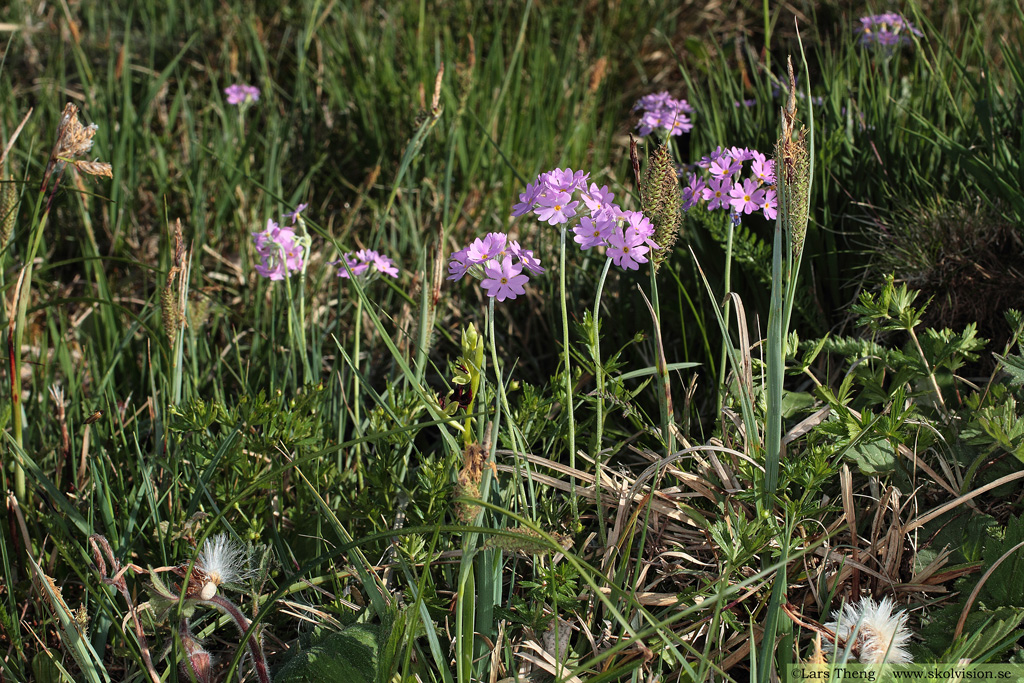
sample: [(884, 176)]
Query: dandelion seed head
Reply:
[(880, 636), (221, 561)]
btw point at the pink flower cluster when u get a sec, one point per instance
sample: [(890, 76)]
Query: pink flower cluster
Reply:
[(499, 261), (627, 235), (550, 196), (242, 94), (888, 30), (724, 189), (281, 251), (366, 262), (663, 113)]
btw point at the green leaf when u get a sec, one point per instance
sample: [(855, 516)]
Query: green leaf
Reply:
[(360, 653), (874, 457), (1014, 367), (793, 402), (348, 655)]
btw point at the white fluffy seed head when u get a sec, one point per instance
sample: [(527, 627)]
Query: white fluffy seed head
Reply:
[(222, 561), (879, 635)]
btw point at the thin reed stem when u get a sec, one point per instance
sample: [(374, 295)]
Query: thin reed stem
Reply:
[(568, 407), (595, 343), (259, 660), (727, 283), (358, 334), (661, 366)]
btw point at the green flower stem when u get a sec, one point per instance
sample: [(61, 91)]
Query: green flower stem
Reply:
[(301, 331), (661, 365), (517, 445), (291, 329), (928, 368), (725, 313), (595, 344), (355, 363), (568, 377), (259, 661)]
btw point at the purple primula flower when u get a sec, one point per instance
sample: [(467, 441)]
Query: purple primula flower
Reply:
[(355, 265), (888, 30), (741, 154), (642, 226), (556, 208), (763, 169), (242, 94), (294, 215), (567, 181), (725, 167), (746, 197), (459, 264), (526, 257), (626, 248), (744, 103), (384, 265), (693, 192), (717, 193), (281, 251), (592, 233), (492, 246), (527, 199), (705, 162), (504, 280), (499, 261), (663, 113), (725, 189), (770, 205), (366, 262), (597, 198)]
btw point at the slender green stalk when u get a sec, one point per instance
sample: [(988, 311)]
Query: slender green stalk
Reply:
[(793, 170), (727, 284), (518, 444), (301, 331), (291, 332), (928, 368), (774, 358), (358, 334), (665, 395), (568, 407), (595, 343), (16, 336)]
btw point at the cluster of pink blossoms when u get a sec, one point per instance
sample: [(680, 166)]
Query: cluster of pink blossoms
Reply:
[(499, 261), (556, 198), (725, 189), (242, 94), (887, 30), (281, 250), (627, 235), (366, 262), (663, 113)]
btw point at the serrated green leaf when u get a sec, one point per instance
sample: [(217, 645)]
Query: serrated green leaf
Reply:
[(875, 457), (1014, 367), (349, 655)]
